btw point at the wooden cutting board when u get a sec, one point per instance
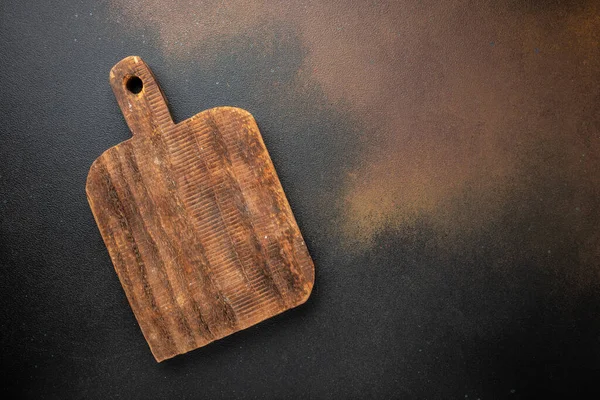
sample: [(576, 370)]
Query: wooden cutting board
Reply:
[(195, 220)]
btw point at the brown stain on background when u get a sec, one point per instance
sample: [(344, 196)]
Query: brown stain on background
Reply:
[(450, 97)]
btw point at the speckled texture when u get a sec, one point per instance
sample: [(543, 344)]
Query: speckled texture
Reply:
[(441, 159)]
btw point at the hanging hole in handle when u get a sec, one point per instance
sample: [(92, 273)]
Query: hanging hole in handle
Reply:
[(134, 84)]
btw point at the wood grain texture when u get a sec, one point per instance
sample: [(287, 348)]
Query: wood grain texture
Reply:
[(195, 220)]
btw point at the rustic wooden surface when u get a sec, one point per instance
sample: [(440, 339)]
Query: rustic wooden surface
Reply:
[(195, 220)]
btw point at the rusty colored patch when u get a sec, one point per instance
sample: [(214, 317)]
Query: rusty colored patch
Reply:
[(448, 100)]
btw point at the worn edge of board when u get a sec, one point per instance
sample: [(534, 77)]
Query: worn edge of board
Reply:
[(156, 125)]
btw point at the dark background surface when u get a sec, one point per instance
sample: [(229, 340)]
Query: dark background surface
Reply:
[(442, 161)]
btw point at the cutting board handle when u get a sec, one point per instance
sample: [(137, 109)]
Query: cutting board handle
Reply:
[(141, 100)]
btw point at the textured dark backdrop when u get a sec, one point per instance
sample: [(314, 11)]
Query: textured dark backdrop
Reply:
[(442, 160)]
